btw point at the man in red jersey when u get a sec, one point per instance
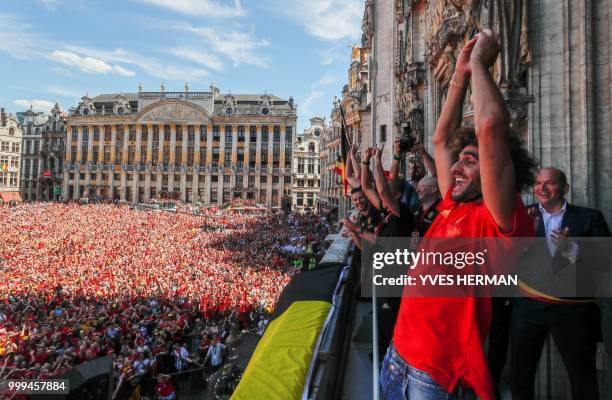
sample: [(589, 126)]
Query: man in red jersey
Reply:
[(438, 343)]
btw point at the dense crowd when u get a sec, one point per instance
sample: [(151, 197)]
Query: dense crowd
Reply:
[(152, 289)]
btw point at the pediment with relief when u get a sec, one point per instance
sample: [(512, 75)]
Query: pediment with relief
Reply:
[(173, 113)]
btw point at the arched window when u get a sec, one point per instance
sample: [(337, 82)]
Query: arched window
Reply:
[(311, 147), (12, 131)]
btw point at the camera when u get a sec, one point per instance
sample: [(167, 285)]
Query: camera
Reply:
[(407, 141)]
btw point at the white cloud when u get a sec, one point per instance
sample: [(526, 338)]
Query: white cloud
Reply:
[(122, 71), (328, 20), (327, 80), (149, 65), (37, 104), (50, 4), (201, 57), (63, 71), (201, 8), (240, 47), (62, 91), (88, 64), (312, 97)]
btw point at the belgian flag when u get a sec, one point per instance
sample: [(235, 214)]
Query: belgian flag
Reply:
[(279, 365)]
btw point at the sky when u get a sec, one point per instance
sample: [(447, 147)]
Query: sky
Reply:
[(60, 50)]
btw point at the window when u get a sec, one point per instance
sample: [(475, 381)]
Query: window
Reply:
[(253, 134), (11, 131), (75, 134), (241, 134), (167, 133), (191, 134), (85, 134), (4, 146), (155, 135), (300, 165), (216, 133), (264, 134), (311, 147), (108, 135), (263, 179), (132, 133), (275, 179), (264, 157), (178, 134), (300, 199), (226, 179), (227, 157), (383, 133), (96, 133), (288, 135), (287, 179), (276, 134), (214, 178), (228, 134), (203, 134), (95, 155)]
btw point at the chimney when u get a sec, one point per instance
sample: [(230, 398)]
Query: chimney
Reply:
[(2, 117)]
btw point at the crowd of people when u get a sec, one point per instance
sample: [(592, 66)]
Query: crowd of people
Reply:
[(156, 290)]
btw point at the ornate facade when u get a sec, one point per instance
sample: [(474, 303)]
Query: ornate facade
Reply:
[(191, 146), (306, 165), (33, 125), (52, 155), (10, 157), (355, 104)]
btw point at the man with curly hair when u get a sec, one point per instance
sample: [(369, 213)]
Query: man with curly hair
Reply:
[(438, 342)]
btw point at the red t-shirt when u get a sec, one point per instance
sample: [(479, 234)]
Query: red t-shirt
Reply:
[(164, 389), (444, 336)]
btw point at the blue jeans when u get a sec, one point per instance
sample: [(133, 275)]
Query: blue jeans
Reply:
[(400, 381)]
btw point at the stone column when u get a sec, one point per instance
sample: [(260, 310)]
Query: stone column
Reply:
[(270, 165), (136, 174), (247, 157), (172, 158), (184, 162), (147, 195), (79, 158), (234, 160), (195, 181), (124, 160), (111, 174), (281, 176), (99, 182)]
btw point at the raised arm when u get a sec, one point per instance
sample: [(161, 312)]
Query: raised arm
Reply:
[(450, 118), (430, 164), (382, 186), (491, 121), (366, 179), (352, 180)]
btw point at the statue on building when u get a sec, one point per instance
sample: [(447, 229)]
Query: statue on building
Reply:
[(367, 24)]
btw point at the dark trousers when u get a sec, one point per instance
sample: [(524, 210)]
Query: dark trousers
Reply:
[(575, 329), (498, 338)]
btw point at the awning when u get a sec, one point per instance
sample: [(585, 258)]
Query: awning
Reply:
[(10, 196)]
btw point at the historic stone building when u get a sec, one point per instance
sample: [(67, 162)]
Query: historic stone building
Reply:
[(306, 165), (33, 125), (553, 71), (192, 146), (351, 113), (10, 157), (52, 155)]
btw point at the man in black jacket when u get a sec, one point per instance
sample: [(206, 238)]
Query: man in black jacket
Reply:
[(574, 323)]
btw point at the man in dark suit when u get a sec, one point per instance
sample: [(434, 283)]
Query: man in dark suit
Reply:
[(574, 323)]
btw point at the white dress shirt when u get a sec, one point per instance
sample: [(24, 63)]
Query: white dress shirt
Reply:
[(552, 221)]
